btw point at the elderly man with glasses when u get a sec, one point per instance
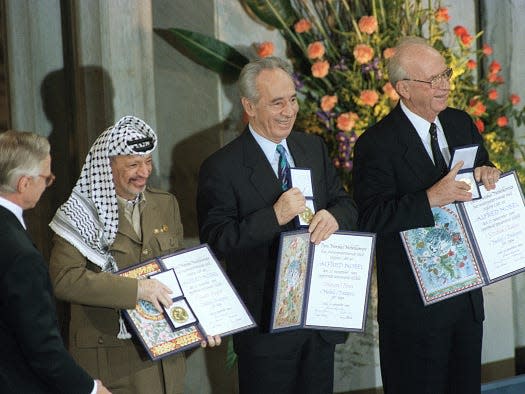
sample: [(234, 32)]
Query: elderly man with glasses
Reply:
[(400, 173)]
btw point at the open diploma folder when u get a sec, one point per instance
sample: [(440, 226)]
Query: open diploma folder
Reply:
[(205, 303), (472, 244), (322, 286)]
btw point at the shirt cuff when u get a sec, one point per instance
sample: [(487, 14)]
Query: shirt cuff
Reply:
[(95, 387)]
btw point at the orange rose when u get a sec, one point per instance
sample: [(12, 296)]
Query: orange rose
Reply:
[(328, 103), (480, 125), (502, 121), (320, 69), (265, 49), (472, 64), (302, 26), (460, 31), (477, 108), (390, 92), (389, 52), (363, 53), (514, 99), (346, 121), (492, 94), (494, 67), (495, 78), (466, 39), (369, 97), (442, 15), (316, 50), (487, 50), (368, 24)]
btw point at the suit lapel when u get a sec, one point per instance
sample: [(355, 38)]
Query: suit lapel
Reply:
[(298, 152), (415, 153), (452, 135), (10, 219), (125, 229), (150, 222), (262, 176)]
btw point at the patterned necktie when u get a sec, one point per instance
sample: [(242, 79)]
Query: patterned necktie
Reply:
[(283, 168), (439, 161)]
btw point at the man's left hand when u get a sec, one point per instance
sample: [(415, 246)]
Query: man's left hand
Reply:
[(488, 175), (322, 226)]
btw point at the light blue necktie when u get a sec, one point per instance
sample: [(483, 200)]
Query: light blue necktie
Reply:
[(283, 168)]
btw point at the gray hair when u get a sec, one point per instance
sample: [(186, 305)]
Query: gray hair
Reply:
[(250, 72), (395, 66), (21, 153)]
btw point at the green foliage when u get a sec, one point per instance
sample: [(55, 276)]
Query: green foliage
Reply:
[(278, 14), (206, 51)]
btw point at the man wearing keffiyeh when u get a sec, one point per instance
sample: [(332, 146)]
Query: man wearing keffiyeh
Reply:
[(113, 220)]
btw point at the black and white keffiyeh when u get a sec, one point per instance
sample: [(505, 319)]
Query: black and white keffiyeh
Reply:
[(89, 218)]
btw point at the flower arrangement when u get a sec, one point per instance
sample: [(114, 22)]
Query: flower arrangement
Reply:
[(339, 50)]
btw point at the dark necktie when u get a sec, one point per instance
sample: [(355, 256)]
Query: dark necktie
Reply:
[(439, 161), (283, 168)]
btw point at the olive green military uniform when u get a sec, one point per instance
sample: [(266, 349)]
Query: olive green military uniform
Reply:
[(95, 297)]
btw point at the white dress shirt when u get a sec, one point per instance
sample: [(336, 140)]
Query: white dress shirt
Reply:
[(422, 126), (269, 149)]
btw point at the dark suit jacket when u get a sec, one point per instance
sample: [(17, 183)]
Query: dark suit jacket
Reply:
[(237, 190), (33, 359), (392, 171)]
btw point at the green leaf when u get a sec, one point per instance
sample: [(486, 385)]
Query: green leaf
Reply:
[(276, 13), (206, 51), (231, 356)]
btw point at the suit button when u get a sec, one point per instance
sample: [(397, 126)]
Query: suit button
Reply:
[(100, 340), (145, 251)]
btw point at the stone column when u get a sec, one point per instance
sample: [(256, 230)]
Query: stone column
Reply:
[(504, 30), (114, 63)]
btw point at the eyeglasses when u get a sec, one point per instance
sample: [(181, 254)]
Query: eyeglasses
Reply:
[(437, 80), (49, 179)]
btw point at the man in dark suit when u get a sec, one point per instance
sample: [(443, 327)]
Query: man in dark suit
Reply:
[(242, 211), (33, 359), (397, 180)]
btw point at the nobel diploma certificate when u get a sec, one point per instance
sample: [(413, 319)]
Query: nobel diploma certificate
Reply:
[(208, 291), (204, 303), (497, 222), (472, 244), (338, 291), (322, 286)]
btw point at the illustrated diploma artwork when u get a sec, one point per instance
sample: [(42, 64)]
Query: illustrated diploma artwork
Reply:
[(472, 244), (322, 286), (204, 303)]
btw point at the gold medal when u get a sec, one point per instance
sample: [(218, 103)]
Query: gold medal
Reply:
[(307, 215), (179, 314)]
